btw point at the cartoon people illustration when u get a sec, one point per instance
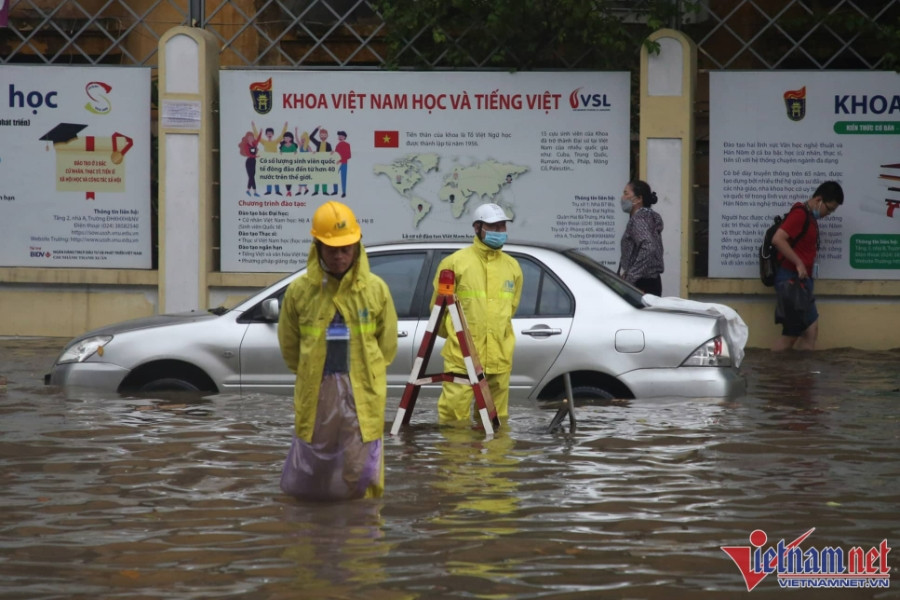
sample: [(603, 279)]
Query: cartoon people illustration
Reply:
[(304, 146), (249, 146), (287, 143), (287, 146), (270, 144), (321, 144), (343, 150)]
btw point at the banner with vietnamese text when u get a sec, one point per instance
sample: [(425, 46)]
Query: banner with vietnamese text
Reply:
[(413, 154), (775, 136), (75, 167)]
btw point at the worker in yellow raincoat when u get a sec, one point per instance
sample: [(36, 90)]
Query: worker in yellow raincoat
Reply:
[(338, 333), (488, 288)]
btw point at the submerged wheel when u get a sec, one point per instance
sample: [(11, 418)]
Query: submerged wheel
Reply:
[(169, 384), (587, 392)]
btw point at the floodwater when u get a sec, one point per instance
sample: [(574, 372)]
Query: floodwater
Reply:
[(151, 498)]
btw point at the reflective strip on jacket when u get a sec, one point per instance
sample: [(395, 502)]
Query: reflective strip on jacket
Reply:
[(309, 305), (488, 287)]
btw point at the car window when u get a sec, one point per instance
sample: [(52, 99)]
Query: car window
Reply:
[(542, 294), (531, 284), (555, 299), (255, 314), (628, 292), (401, 271)]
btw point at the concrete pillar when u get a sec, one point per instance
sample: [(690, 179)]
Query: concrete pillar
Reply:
[(188, 126), (667, 147)]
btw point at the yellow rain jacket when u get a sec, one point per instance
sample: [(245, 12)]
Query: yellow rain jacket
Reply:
[(309, 305), (488, 287)]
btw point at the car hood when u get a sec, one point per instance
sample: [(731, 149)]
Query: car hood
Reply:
[(154, 321)]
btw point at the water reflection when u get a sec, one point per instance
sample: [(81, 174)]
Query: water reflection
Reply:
[(336, 548), (175, 497)]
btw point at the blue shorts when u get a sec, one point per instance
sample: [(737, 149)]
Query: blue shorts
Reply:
[(793, 325)]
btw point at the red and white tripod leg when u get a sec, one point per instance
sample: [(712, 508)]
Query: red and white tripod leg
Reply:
[(480, 404)]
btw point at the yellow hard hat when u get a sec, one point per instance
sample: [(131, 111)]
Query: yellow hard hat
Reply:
[(334, 224)]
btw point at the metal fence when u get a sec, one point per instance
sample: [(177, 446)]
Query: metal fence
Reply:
[(730, 34)]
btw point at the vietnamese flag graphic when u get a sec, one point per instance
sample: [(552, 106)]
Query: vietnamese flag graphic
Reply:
[(387, 139)]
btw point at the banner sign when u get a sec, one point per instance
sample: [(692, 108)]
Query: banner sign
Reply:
[(75, 167), (413, 154), (775, 136)]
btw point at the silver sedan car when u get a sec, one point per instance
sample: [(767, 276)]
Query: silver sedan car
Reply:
[(576, 317)]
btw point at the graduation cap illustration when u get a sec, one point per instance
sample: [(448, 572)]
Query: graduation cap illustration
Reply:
[(893, 203), (891, 176), (90, 163), (62, 133)]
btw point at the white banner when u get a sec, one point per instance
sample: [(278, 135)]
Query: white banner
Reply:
[(775, 136), (414, 153), (75, 167)]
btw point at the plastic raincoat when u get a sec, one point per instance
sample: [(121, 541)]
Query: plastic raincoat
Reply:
[(309, 306), (488, 287), (365, 302)]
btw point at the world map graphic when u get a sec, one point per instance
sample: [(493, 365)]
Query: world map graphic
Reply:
[(422, 183)]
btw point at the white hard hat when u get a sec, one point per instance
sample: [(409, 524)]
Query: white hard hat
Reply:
[(490, 213)]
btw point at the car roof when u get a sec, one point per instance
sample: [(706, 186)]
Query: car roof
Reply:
[(457, 241)]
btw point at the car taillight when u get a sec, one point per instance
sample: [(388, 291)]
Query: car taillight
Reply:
[(712, 353)]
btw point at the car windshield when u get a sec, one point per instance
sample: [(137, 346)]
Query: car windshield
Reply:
[(628, 292)]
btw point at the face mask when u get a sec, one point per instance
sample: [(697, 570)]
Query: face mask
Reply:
[(494, 239), (823, 211), (817, 212), (626, 205)]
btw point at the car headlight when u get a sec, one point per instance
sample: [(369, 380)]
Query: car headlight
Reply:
[(84, 349), (712, 353)]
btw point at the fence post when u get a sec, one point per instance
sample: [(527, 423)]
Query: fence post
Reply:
[(667, 147), (188, 89), (197, 13)]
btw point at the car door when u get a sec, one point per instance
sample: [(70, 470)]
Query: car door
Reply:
[(541, 323), (404, 272), (262, 366)]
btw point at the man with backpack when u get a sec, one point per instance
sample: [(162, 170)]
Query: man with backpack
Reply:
[(796, 304)]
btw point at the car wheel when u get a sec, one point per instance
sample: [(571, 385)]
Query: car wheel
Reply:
[(588, 392), (169, 384)]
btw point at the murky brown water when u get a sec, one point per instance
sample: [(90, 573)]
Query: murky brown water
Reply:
[(142, 498)]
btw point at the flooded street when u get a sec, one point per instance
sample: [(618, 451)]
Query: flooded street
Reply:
[(152, 498)]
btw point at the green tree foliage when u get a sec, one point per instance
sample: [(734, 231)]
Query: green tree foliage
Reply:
[(887, 36), (524, 34), (872, 35)]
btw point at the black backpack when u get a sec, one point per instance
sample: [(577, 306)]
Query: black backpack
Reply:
[(768, 254)]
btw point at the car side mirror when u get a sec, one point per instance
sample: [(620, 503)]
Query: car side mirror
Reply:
[(270, 310)]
